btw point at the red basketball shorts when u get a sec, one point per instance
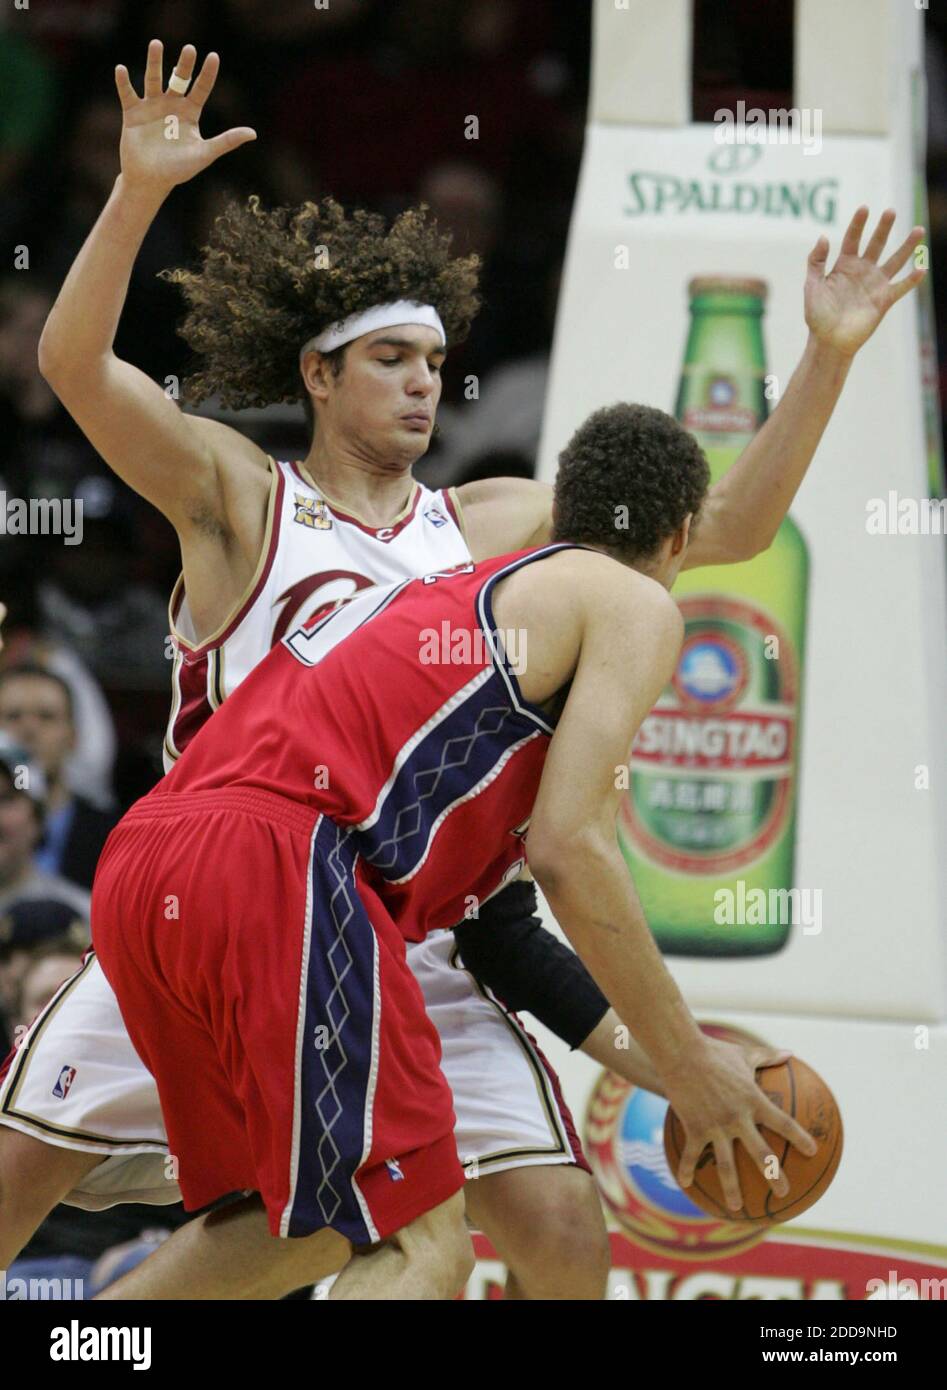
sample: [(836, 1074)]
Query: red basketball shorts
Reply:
[(264, 985)]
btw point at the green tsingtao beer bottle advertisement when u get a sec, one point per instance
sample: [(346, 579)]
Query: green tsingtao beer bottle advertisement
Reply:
[(711, 803)]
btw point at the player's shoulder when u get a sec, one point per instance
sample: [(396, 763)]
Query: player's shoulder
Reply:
[(510, 512), (602, 584), (490, 491)]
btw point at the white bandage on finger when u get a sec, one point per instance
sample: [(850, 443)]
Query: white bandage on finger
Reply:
[(178, 84)]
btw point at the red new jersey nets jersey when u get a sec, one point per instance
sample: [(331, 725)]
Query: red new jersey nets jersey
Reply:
[(399, 715)]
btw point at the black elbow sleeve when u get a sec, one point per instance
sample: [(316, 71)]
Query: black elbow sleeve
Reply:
[(507, 949)]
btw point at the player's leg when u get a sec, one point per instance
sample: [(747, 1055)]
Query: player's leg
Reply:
[(527, 1185), (230, 1254), (34, 1177), (339, 1115), (79, 1114), (546, 1224), (430, 1258)]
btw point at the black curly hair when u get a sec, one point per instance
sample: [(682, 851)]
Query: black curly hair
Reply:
[(269, 280), (626, 480)]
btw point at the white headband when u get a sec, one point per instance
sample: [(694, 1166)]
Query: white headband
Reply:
[(378, 316)]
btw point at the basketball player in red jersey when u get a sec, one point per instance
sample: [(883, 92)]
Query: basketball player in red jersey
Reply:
[(216, 486), (286, 891)]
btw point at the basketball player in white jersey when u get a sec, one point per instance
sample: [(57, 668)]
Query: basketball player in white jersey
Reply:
[(248, 527)]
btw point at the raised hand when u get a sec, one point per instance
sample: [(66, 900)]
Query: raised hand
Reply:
[(845, 307), (162, 145)]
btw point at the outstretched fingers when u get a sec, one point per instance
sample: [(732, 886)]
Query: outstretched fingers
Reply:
[(184, 67), (206, 78), (230, 140), (902, 287), (154, 70), (126, 92), (898, 259), (853, 233), (877, 243), (816, 271)]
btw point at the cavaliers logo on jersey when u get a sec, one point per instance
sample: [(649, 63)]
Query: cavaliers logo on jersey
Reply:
[(312, 512)]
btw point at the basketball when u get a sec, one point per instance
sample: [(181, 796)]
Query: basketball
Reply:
[(802, 1093)]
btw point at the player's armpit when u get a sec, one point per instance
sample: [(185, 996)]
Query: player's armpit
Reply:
[(505, 514)]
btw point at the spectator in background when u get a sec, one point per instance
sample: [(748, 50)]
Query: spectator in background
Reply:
[(21, 829), (68, 1243), (23, 642), (498, 432), (44, 452), (27, 928), (47, 967), (467, 201), (88, 600), (372, 121), (36, 710)]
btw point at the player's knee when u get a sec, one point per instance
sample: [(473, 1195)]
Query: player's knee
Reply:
[(37, 1176), (439, 1242), (18, 1154), (572, 1235), (26, 1196)]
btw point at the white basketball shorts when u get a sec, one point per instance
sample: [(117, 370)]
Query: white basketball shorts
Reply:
[(76, 1082)]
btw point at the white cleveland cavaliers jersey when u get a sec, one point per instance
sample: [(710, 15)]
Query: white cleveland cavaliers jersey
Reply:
[(314, 553)]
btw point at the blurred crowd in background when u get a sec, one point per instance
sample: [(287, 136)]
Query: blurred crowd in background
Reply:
[(362, 99)]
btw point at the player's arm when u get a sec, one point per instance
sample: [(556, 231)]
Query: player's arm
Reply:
[(507, 949), (171, 459), (505, 514), (531, 971), (629, 633), (743, 511)]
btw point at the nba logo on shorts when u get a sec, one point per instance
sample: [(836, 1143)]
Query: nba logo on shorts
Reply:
[(66, 1077), (394, 1170)]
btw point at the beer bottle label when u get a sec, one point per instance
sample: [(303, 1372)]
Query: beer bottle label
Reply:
[(711, 767), (722, 411)]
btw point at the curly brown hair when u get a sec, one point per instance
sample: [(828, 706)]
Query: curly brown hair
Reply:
[(269, 280), (627, 479)]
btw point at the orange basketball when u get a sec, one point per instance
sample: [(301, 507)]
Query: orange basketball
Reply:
[(802, 1093)]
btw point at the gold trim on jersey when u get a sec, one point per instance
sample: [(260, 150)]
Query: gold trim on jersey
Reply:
[(543, 1082), (215, 678), (248, 590), (177, 699), (459, 509), (346, 510)]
